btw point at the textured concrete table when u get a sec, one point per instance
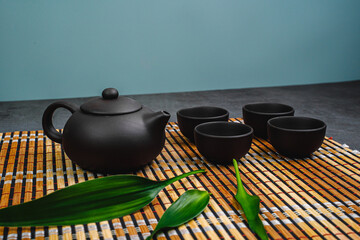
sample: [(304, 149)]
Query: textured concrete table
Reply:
[(337, 104)]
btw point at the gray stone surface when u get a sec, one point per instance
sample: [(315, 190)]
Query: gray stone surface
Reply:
[(337, 104)]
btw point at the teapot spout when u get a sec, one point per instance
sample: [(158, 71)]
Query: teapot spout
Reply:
[(158, 120), (163, 118)]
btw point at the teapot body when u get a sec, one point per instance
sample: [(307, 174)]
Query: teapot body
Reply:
[(112, 144), (110, 134)]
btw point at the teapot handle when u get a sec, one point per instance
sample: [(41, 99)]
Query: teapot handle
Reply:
[(47, 122)]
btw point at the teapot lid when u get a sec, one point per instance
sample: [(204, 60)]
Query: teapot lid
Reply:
[(111, 104)]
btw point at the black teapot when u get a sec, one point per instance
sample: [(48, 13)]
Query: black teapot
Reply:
[(110, 134)]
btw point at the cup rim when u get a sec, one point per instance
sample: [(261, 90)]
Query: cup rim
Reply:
[(271, 125), (180, 113), (246, 108), (251, 130)]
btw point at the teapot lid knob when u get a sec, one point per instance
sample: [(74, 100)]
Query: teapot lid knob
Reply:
[(110, 93)]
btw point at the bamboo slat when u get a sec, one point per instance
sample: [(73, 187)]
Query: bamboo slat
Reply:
[(313, 198)]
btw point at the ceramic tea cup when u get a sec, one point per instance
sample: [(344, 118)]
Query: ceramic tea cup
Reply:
[(189, 118), (296, 136), (257, 114), (220, 142)]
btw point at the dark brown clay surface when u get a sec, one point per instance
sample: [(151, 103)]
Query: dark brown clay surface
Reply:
[(189, 118), (220, 142), (257, 114), (296, 136), (110, 134)]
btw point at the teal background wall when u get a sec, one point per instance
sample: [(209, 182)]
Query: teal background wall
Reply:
[(75, 48)]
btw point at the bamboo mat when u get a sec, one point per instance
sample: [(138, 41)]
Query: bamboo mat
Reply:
[(315, 198)]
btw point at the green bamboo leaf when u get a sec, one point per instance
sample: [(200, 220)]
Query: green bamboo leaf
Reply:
[(250, 205), (91, 201), (186, 207)]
